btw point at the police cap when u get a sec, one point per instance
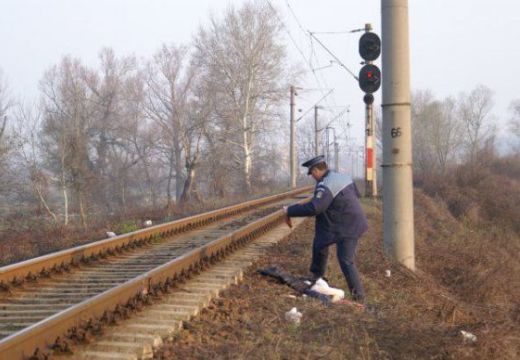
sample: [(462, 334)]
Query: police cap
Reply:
[(312, 162)]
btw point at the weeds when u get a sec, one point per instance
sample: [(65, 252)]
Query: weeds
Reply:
[(467, 279), (25, 234), (126, 227)]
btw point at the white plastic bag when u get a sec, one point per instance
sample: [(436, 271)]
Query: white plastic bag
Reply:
[(293, 316), (322, 287), (468, 337)]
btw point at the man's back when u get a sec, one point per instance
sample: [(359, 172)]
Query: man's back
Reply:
[(344, 217)]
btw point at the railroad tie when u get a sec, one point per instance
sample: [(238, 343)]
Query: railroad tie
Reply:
[(136, 337)]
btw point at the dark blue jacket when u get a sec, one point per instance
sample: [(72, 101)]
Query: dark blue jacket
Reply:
[(336, 207)]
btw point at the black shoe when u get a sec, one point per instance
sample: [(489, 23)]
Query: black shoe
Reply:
[(358, 299)]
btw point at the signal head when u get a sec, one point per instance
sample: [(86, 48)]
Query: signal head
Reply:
[(369, 46), (368, 99), (369, 78)]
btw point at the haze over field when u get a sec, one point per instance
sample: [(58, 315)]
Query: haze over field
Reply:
[(455, 45), (119, 114), (111, 106)]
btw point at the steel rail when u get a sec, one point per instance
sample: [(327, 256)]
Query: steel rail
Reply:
[(42, 336), (16, 273)]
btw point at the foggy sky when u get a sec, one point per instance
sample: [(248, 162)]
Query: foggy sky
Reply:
[(455, 45)]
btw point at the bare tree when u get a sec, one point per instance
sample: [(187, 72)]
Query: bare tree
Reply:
[(5, 104), (243, 62), (436, 132), (27, 131), (6, 145), (117, 109), (474, 111), (67, 117), (169, 84), (514, 123), (195, 131), (424, 110)]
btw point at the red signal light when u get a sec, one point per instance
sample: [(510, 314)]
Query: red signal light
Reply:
[(369, 78)]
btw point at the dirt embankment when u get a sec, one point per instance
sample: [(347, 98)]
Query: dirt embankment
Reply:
[(409, 316)]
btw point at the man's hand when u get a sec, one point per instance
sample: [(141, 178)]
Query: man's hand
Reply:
[(287, 218)]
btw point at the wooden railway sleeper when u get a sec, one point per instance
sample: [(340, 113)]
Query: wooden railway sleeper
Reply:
[(94, 326)]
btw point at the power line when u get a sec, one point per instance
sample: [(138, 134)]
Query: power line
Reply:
[(305, 32), (332, 32), (314, 57), (295, 17), (319, 42), (337, 116), (315, 89), (334, 56), (313, 53), (287, 31), (312, 107)]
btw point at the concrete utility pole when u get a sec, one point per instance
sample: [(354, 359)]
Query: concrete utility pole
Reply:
[(316, 132), (336, 155), (398, 227), (327, 146), (293, 160), (336, 147)]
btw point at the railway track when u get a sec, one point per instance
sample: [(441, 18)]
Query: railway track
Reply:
[(51, 301)]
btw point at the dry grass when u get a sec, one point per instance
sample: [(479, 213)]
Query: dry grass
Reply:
[(27, 235), (467, 280)]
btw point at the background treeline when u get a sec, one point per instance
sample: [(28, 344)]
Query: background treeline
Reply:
[(133, 138), (190, 123), (456, 158)]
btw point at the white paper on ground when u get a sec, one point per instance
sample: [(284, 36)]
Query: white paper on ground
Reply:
[(322, 287)]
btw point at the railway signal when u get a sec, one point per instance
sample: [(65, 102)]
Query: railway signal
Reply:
[(369, 82), (369, 46), (369, 78), (369, 49)]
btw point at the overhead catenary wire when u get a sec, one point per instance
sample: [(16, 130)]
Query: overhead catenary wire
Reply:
[(333, 32), (312, 36), (294, 15), (336, 117), (284, 26), (312, 107), (334, 56), (315, 59), (288, 32)]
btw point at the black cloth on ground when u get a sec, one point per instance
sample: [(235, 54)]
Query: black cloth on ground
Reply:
[(297, 283)]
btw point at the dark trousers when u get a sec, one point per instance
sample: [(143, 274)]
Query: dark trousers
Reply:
[(346, 253)]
